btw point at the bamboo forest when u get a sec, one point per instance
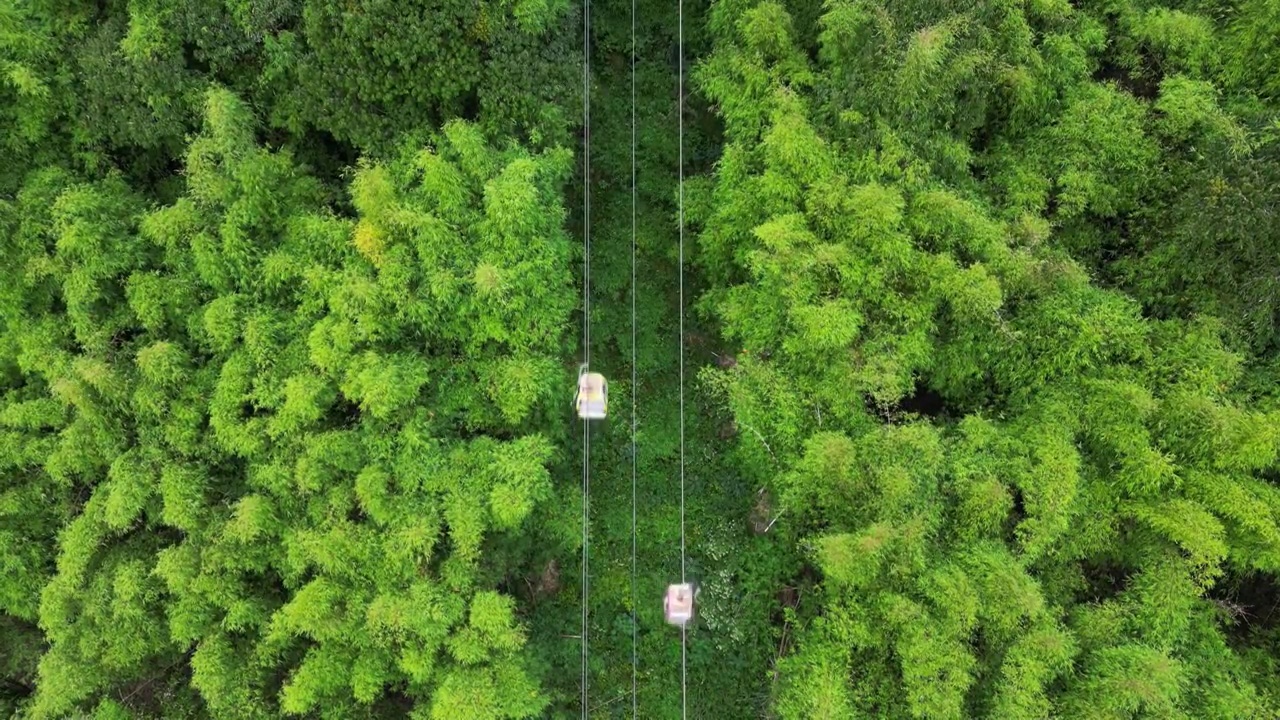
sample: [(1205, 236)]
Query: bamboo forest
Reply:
[(504, 359)]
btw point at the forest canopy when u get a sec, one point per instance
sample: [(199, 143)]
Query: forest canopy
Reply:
[(942, 340)]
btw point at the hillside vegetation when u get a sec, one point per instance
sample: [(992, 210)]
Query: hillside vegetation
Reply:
[(981, 358)]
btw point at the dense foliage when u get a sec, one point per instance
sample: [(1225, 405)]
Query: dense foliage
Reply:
[(981, 355), (1060, 538)]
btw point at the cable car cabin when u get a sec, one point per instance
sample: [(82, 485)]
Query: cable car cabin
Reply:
[(678, 604), (593, 395)]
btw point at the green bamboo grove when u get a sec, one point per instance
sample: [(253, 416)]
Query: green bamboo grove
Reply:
[(981, 309)]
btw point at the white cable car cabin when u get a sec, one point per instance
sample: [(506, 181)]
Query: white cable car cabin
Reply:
[(678, 604), (592, 399)]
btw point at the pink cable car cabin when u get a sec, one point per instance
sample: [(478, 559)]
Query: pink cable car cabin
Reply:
[(678, 604)]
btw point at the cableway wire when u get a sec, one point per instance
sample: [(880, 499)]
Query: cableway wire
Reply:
[(684, 693), (635, 708), (586, 337)]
